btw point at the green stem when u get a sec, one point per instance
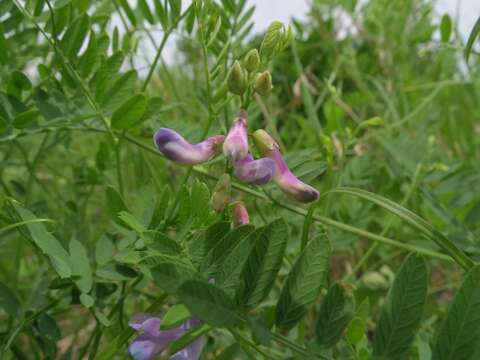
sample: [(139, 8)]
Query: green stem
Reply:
[(165, 37), (12, 226), (248, 343)]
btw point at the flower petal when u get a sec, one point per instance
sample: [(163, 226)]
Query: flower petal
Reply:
[(257, 172), (285, 179), (176, 148), (147, 323), (240, 215), (235, 146), (191, 352), (145, 347)]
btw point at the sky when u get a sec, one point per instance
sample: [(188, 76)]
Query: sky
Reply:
[(283, 10)]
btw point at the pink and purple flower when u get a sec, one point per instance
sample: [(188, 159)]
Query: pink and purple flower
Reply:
[(256, 172), (152, 341), (235, 146), (285, 179), (176, 148), (240, 214)]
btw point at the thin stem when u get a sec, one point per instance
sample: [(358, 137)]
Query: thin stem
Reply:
[(118, 168), (247, 342), (165, 37), (207, 79)]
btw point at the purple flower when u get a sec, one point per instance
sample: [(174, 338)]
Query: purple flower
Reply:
[(240, 215), (176, 148), (235, 146), (152, 341), (285, 179), (257, 172)]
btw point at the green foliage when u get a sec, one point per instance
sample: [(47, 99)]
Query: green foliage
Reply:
[(263, 263), (209, 303), (46, 242), (471, 38), (402, 313), (303, 283), (459, 334), (335, 313)]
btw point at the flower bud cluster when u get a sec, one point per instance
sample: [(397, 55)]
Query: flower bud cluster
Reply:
[(239, 79)]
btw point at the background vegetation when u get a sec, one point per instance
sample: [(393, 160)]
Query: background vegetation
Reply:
[(96, 225)]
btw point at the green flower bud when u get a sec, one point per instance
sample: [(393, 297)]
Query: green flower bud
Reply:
[(264, 142), (263, 83), (221, 193), (252, 60), (237, 80)]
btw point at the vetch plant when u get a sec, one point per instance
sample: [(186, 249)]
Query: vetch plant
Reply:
[(110, 250)]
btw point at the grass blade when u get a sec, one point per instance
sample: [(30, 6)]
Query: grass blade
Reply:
[(414, 220)]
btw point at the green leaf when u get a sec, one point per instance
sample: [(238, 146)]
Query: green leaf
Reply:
[(355, 330), (142, 4), (25, 118), (3, 47), (131, 222), (115, 202), (87, 300), (161, 206), (120, 91), (47, 243), (446, 27), (214, 234), (276, 39), (303, 283), (169, 276), (128, 11), (104, 250), (229, 267), (130, 112), (81, 266), (74, 36), (222, 249), (414, 220), (175, 9), (185, 205), (336, 311), (161, 13), (144, 205), (117, 272), (264, 263), (19, 80), (209, 303), (200, 198), (471, 38), (214, 33), (175, 316), (9, 301), (459, 334), (88, 59), (164, 245), (402, 312), (48, 328)]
